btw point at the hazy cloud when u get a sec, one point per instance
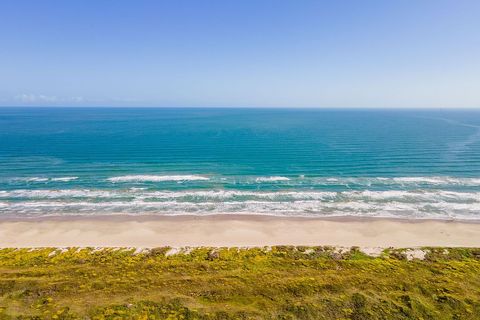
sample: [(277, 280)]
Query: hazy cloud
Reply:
[(41, 99)]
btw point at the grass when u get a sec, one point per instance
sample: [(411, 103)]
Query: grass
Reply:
[(232, 283)]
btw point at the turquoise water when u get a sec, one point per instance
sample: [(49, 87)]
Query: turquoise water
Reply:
[(92, 161)]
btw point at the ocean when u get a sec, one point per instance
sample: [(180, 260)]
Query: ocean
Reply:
[(285, 162)]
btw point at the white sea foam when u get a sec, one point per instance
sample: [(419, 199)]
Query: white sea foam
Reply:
[(295, 208), (64, 179), (403, 181), (156, 178), (239, 195), (44, 179), (391, 182), (32, 179), (409, 197), (65, 193), (271, 179), (438, 180), (431, 180)]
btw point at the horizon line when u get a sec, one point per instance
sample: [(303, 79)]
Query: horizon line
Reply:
[(239, 107)]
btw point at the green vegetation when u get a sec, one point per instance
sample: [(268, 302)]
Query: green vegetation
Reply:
[(232, 283)]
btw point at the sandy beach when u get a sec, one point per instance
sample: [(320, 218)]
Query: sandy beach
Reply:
[(239, 230)]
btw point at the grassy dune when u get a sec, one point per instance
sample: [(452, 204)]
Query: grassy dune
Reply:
[(232, 283)]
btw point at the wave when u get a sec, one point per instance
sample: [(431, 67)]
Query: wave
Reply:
[(156, 178), (408, 196), (395, 203), (295, 208), (402, 181), (53, 194), (301, 180), (438, 180), (223, 195), (271, 179), (31, 179), (44, 179), (64, 179)]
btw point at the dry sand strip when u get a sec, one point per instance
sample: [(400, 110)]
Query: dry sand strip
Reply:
[(234, 230)]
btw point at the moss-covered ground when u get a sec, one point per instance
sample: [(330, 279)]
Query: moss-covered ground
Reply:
[(232, 283)]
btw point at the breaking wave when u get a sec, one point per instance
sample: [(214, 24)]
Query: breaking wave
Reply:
[(407, 204), (302, 195), (271, 179), (155, 178), (291, 181), (44, 179), (64, 179), (222, 195)]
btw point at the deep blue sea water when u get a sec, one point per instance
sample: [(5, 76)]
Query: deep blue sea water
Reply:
[(287, 162)]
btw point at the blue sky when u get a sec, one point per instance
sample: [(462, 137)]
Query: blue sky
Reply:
[(262, 53)]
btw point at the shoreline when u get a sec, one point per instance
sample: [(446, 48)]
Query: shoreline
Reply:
[(149, 231)]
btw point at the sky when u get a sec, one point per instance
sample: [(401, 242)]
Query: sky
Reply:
[(244, 53)]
